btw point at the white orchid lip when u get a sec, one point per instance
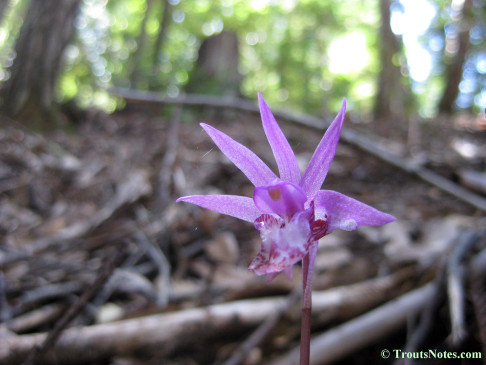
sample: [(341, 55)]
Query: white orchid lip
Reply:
[(285, 241)]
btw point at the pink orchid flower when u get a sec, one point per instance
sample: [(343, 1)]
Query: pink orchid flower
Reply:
[(289, 211)]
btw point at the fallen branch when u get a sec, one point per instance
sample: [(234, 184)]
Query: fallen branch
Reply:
[(428, 315), (352, 137), (448, 282), (49, 292), (171, 329), (52, 337), (362, 331), (474, 180), (477, 282), (35, 318), (262, 331), (143, 97), (456, 272)]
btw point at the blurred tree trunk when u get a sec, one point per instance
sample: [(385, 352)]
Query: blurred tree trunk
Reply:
[(139, 52), (3, 7), (29, 92), (456, 49), (305, 70), (390, 98), (216, 71), (159, 42)]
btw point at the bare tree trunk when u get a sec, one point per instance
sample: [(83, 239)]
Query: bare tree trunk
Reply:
[(216, 71), (137, 55), (390, 97), (159, 42), (47, 29), (453, 75), (3, 7)]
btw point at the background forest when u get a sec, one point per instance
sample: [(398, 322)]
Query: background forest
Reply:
[(100, 102), (390, 58)]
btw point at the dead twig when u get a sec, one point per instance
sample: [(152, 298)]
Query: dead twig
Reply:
[(428, 313), (262, 330), (455, 286), (52, 337), (172, 329), (450, 281), (42, 293), (35, 318), (357, 333), (477, 280), (163, 267)]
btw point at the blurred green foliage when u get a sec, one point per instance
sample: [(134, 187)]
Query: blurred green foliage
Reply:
[(306, 55)]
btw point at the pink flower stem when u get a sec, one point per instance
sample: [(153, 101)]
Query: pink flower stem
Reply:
[(307, 271)]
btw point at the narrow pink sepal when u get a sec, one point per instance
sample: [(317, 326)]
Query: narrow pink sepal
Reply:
[(247, 161), (236, 206), (287, 163), (318, 167), (343, 212)]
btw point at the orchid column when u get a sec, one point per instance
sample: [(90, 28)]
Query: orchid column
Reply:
[(290, 211)]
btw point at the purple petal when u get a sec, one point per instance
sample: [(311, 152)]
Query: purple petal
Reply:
[(343, 212), (282, 198), (236, 206), (319, 164), (249, 163), (286, 161)]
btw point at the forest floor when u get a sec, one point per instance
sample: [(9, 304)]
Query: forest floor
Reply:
[(97, 257)]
